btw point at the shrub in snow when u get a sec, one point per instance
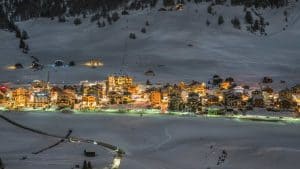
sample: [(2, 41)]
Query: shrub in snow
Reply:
[(25, 35), (115, 16), (19, 66), (62, 19), (101, 24), (132, 36), (125, 12), (220, 20), (169, 2), (22, 44), (18, 33), (236, 23), (95, 17), (77, 21), (109, 20), (248, 17), (26, 49), (207, 22), (147, 23), (71, 63), (143, 30), (210, 9)]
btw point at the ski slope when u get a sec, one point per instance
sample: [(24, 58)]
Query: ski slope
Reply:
[(177, 46)]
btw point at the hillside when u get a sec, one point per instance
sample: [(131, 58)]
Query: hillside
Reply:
[(177, 45)]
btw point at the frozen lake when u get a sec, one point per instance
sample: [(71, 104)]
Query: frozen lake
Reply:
[(152, 142)]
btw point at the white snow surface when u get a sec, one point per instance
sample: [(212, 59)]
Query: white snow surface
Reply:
[(152, 142), (164, 48)]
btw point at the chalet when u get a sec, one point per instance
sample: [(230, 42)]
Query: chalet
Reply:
[(40, 99), (257, 99), (20, 98)]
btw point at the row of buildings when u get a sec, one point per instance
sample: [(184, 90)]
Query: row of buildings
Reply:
[(122, 92)]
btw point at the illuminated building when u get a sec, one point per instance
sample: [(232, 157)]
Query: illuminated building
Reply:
[(89, 102), (115, 98), (155, 98), (133, 89), (296, 98), (66, 99), (101, 90), (257, 99), (165, 102), (238, 90), (245, 98), (20, 98), (193, 103), (225, 85), (94, 63), (3, 98), (39, 99), (39, 86), (184, 95), (181, 86), (54, 93), (179, 7), (196, 87), (118, 83), (212, 100)]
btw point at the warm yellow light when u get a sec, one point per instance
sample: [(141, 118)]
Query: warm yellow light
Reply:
[(245, 98), (225, 85), (11, 68), (221, 98), (296, 99), (94, 63)]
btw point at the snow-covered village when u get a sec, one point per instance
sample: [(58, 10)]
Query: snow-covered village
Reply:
[(122, 93), (149, 84)]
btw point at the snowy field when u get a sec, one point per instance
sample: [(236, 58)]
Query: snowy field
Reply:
[(164, 48), (152, 143)]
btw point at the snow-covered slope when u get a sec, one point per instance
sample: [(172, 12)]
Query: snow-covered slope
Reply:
[(152, 143), (177, 46)]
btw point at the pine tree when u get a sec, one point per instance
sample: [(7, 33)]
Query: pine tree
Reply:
[(236, 23), (22, 44), (256, 25), (207, 22), (132, 36), (143, 30), (25, 49), (115, 17), (249, 18), (84, 165), (77, 21), (18, 33), (109, 19), (220, 20), (89, 165), (209, 9), (168, 2), (24, 35), (1, 164)]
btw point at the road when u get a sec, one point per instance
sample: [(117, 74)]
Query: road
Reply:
[(117, 158)]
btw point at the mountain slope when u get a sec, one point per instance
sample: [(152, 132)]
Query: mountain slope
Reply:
[(178, 45)]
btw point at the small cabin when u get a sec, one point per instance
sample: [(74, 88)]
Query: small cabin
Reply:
[(89, 153)]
